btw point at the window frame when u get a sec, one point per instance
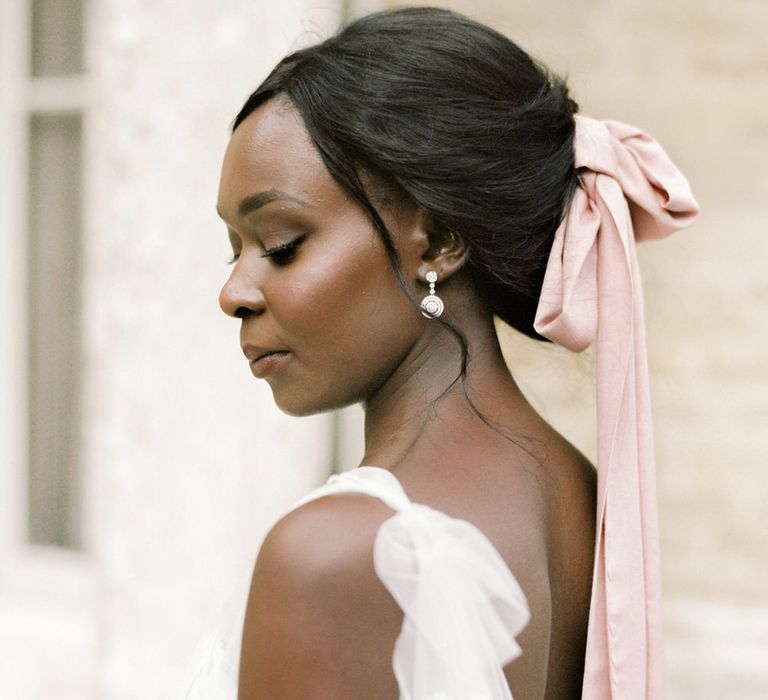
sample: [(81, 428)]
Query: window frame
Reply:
[(40, 586), (24, 96)]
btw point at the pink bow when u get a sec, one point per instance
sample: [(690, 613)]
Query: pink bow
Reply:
[(629, 190)]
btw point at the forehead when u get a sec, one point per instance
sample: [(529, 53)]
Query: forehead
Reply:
[(271, 150)]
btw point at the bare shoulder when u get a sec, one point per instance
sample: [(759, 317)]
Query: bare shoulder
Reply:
[(319, 623)]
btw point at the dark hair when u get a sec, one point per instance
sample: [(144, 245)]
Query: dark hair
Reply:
[(458, 119)]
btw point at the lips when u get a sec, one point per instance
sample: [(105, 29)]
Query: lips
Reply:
[(264, 361)]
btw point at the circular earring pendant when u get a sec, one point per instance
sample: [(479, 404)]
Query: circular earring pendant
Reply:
[(432, 305)]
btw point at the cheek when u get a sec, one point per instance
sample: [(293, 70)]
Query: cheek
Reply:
[(346, 318)]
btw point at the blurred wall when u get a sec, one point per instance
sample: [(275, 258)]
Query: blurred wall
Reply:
[(190, 460)]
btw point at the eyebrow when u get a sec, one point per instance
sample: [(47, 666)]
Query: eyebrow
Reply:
[(255, 201)]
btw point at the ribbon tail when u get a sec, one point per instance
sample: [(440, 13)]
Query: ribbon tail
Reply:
[(623, 643)]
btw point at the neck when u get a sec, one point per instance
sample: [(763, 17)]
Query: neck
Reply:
[(425, 397)]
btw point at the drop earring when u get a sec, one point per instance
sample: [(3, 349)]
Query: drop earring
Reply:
[(432, 305)]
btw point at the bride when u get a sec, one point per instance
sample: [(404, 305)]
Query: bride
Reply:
[(387, 193)]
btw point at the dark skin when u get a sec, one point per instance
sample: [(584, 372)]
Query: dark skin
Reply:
[(319, 623)]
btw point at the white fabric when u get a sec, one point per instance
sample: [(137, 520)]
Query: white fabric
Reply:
[(213, 671), (462, 606)]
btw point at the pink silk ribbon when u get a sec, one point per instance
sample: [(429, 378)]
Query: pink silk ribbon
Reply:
[(629, 190)]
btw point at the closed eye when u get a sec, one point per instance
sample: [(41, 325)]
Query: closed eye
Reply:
[(285, 252)]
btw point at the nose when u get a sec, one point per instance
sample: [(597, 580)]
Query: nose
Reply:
[(241, 294)]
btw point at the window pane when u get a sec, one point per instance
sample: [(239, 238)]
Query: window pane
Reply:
[(57, 37), (54, 322)]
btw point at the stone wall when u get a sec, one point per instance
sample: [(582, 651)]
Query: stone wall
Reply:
[(188, 462)]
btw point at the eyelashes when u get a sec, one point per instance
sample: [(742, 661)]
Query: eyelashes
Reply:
[(280, 255), (285, 252)]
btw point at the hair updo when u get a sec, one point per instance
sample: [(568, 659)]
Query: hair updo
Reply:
[(457, 118)]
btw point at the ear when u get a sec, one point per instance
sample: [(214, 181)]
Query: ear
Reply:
[(445, 252), (426, 245)]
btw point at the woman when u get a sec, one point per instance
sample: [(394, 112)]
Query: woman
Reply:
[(387, 192)]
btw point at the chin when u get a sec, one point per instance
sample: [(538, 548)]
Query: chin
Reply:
[(303, 406), (298, 411)]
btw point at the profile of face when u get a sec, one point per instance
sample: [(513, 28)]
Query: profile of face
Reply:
[(323, 318)]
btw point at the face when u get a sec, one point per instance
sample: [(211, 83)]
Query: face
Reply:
[(323, 318)]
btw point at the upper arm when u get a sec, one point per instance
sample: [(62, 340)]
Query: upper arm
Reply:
[(319, 623)]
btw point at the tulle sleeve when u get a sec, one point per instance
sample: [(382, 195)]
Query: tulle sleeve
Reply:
[(462, 606)]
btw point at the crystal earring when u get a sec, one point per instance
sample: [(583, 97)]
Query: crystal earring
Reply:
[(432, 305)]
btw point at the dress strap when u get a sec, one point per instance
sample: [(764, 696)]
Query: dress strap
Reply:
[(462, 605), (373, 481)]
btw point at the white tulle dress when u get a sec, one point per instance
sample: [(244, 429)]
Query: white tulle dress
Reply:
[(462, 606)]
